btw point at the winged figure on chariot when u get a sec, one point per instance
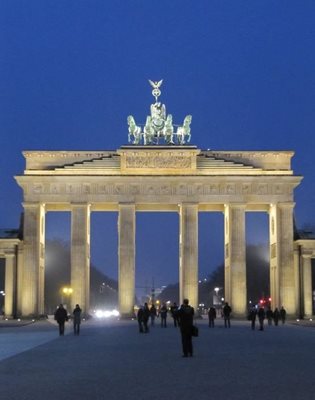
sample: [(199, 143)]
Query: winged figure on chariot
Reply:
[(159, 127)]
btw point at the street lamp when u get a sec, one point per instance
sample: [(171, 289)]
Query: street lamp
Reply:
[(66, 291)]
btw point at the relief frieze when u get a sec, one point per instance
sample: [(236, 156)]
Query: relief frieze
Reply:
[(158, 161), (189, 189)]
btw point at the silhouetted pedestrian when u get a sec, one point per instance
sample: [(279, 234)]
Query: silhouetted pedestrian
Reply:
[(269, 315), (174, 310), (145, 317), (140, 319), (276, 316), (163, 314), (212, 314), (61, 317), (77, 319), (261, 317), (185, 318), (153, 314), (227, 315), (252, 317), (283, 314)]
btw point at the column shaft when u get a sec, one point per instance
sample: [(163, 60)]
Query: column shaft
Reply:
[(10, 285), (126, 257), (307, 286), (282, 275), (188, 265), (34, 260), (19, 279), (235, 258), (80, 257)]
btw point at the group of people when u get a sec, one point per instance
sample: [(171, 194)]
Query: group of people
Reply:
[(145, 314), (61, 316), (182, 317), (226, 314), (275, 316)]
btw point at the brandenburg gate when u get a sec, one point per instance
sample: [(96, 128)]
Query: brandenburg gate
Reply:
[(159, 171)]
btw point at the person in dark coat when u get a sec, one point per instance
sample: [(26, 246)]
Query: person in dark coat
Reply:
[(283, 314), (145, 317), (269, 315), (163, 314), (140, 319), (212, 314), (227, 315), (77, 319), (61, 317), (174, 310), (185, 317), (261, 317), (276, 316), (153, 314), (252, 317)]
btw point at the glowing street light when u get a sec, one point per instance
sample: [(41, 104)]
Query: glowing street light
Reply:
[(66, 291)]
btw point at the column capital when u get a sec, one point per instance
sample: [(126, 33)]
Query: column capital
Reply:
[(77, 205), (307, 254), (9, 254), (289, 204), (27, 204), (235, 205)]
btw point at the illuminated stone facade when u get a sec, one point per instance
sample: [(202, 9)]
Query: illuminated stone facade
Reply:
[(180, 179)]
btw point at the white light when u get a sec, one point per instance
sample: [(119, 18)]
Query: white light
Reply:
[(99, 313), (298, 320), (106, 313), (311, 319), (19, 319)]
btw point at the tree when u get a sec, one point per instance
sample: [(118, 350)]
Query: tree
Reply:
[(103, 290)]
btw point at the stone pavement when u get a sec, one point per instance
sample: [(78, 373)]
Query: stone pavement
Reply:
[(111, 360)]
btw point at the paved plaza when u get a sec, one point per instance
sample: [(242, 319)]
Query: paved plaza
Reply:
[(111, 360)]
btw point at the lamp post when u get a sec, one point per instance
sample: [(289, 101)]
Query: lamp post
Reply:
[(66, 291), (216, 301)]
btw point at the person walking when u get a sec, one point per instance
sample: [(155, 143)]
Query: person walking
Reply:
[(261, 316), (163, 314), (77, 319), (185, 317), (212, 314), (140, 319), (269, 315), (252, 317), (283, 315), (61, 317), (153, 314), (145, 317), (174, 310), (276, 316), (227, 315)]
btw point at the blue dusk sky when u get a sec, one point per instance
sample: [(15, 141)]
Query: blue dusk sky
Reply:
[(72, 71)]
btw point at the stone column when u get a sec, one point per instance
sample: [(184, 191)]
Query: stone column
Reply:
[(188, 262), (19, 279), (307, 286), (126, 259), (10, 285), (297, 279), (282, 276), (235, 258), (80, 256), (34, 260)]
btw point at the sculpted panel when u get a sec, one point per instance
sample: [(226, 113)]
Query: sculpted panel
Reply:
[(157, 161)]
